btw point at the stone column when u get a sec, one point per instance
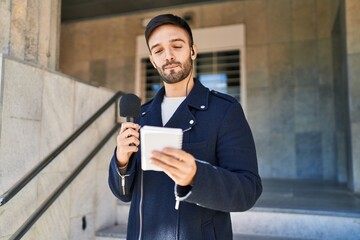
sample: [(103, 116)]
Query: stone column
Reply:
[(352, 9), (30, 31)]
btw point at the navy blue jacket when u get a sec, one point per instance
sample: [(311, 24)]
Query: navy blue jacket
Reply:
[(217, 134)]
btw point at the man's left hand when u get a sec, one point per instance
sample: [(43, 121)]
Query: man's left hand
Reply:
[(179, 165)]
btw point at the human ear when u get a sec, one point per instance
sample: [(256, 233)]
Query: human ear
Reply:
[(194, 52)]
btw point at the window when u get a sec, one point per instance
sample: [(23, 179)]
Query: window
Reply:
[(153, 81), (220, 71)]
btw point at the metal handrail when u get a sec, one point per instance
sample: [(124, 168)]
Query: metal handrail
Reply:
[(51, 199), (37, 169)]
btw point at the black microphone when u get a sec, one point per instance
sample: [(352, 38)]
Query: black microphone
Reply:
[(130, 107)]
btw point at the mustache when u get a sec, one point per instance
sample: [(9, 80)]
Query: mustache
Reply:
[(170, 63)]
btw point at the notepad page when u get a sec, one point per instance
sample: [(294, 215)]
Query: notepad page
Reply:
[(157, 138)]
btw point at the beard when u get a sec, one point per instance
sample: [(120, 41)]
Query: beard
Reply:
[(173, 76)]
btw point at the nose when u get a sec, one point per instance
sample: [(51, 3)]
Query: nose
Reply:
[(169, 56)]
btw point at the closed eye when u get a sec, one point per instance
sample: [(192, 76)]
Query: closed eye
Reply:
[(157, 51)]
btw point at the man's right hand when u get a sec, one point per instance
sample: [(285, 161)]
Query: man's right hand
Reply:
[(127, 142)]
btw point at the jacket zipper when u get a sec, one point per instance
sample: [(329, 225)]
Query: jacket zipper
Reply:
[(140, 204), (177, 202), (188, 129), (178, 217), (123, 180)]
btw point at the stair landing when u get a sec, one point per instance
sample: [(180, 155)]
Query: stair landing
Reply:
[(290, 209)]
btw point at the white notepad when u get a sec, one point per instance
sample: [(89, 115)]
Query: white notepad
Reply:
[(157, 138)]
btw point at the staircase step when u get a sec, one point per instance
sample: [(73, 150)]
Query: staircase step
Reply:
[(118, 232), (305, 209), (261, 237), (296, 224)]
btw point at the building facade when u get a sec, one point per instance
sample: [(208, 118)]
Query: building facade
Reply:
[(300, 64)]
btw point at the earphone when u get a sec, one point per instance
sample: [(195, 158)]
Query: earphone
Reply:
[(192, 53)]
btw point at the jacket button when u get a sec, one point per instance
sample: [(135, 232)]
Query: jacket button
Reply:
[(191, 122), (202, 106)]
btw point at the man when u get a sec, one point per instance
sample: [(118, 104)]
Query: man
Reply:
[(216, 171)]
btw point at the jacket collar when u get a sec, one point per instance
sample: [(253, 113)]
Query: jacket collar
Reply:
[(198, 99)]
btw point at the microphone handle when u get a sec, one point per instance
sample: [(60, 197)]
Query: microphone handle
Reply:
[(130, 119)]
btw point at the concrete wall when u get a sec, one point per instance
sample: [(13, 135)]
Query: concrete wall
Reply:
[(289, 73), (352, 8), (39, 109), (30, 30)]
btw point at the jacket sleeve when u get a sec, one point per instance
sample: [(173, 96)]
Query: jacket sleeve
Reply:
[(233, 185), (122, 185)]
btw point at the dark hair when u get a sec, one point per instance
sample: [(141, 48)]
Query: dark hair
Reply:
[(167, 19)]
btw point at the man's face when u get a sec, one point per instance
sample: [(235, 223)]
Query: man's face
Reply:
[(170, 53)]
